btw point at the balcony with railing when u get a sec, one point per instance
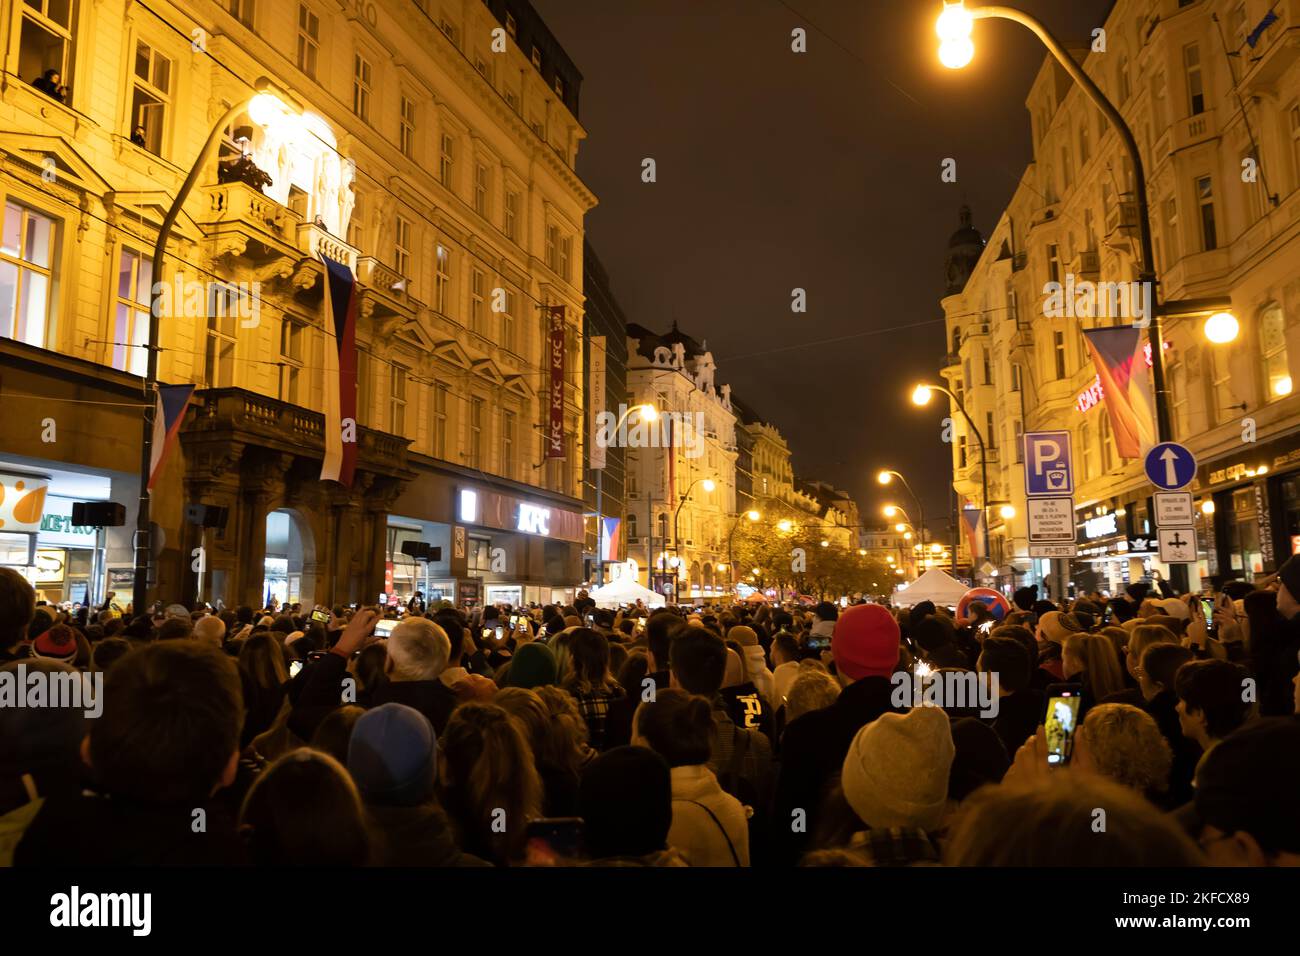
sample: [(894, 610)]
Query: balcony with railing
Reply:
[(1276, 50)]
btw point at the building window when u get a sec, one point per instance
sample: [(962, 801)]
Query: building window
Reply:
[(356, 223), (448, 28), (481, 189), (1066, 172), (508, 321), (1195, 84), (990, 432), (447, 160), (988, 366), (1089, 453), (219, 356), (440, 393), (1019, 435), (476, 432), (956, 339), (406, 135), (1058, 353), (566, 257), (291, 357), (1272, 346), (362, 75), (1125, 87), (559, 86), (397, 401), (1015, 377), (1205, 198), (1178, 396), (27, 255), (365, 387), (512, 26), (512, 216), (537, 57), (552, 253), (1085, 151), (1221, 398), (402, 247), (961, 452), (131, 312), (1171, 229), (441, 279), (477, 293), (508, 443), (1103, 439), (243, 11), (1293, 115), (46, 39), (1053, 262), (150, 97), (308, 40)]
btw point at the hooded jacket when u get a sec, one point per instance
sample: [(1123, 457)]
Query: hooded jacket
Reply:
[(710, 827)]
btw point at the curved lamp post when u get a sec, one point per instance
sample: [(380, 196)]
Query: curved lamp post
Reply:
[(921, 395), (268, 105)]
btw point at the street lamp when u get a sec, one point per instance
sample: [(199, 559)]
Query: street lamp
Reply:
[(784, 525), (709, 485), (921, 395), (885, 476), (1222, 328), (266, 106), (1007, 511)]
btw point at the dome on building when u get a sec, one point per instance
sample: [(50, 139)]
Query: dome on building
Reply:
[(965, 247)]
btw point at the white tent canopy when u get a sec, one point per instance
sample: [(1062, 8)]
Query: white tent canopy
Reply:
[(934, 585), (626, 590)]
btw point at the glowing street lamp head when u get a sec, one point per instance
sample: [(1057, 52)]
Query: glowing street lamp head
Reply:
[(922, 394), (265, 109), (708, 485), (826, 544), (1008, 511), (1207, 506), (648, 412), (955, 54), (1282, 386), (1222, 328), (784, 525), (900, 527), (862, 552), (753, 515), (936, 549), (885, 477), (907, 536), (954, 28), (890, 511), (722, 566)]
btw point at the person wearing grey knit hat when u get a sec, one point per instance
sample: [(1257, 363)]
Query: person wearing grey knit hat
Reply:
[(895, 774)]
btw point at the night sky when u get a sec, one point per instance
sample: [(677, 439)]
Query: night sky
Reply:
[(820, 171)]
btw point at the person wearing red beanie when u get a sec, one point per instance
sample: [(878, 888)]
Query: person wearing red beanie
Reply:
[(865, 647)]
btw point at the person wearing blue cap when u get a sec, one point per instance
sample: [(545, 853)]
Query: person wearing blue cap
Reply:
[(392, 757)]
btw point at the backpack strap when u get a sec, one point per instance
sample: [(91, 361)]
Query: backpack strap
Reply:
[(730, 846)]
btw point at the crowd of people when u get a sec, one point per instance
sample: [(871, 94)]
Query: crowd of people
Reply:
[(721, 735)]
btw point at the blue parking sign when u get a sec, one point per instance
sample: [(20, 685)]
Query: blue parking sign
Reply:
[(1048, 468), (1170, 466)]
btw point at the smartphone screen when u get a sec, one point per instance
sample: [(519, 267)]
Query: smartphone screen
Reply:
[(1061, 721), (1207, 609), (553, 841), (499, 632), (487, 632), (322, 616), (294, 668), (385, 628)]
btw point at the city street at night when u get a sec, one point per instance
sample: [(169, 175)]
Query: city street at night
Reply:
[(652, 435)]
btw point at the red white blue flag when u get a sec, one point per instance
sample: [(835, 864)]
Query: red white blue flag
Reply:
[(168, 414), (340, 375), (609, 538), (1121, 368), (972, 522)]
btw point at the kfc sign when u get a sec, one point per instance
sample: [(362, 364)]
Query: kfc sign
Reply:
[(534, 520)]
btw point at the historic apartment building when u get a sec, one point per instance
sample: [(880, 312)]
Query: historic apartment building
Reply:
[(430, 147), (681, 468), (1219, 136)]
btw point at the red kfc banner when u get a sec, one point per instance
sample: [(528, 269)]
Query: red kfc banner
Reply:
[(555, 430)]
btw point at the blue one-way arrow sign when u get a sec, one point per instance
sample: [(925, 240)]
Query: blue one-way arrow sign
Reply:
[(1170, 466)]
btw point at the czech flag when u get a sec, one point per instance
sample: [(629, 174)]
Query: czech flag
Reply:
[(1126, 390), (609, 538), (973, 523), (168, 414), (340, 375)]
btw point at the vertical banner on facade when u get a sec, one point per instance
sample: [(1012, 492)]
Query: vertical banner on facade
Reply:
[(1125, 387), (340, 374), (972, 522), (610, 533), (672, 466), (555, 427), (596, 399)]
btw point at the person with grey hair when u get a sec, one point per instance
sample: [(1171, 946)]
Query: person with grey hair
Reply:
[(418, 650), (211, 630)]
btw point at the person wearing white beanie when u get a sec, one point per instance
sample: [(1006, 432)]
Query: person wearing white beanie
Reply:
[(895, 774)]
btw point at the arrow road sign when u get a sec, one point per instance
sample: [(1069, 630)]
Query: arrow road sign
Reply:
[(1170, 466), (1177, 545)]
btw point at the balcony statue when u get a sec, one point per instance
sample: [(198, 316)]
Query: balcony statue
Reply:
[(242, 170)]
